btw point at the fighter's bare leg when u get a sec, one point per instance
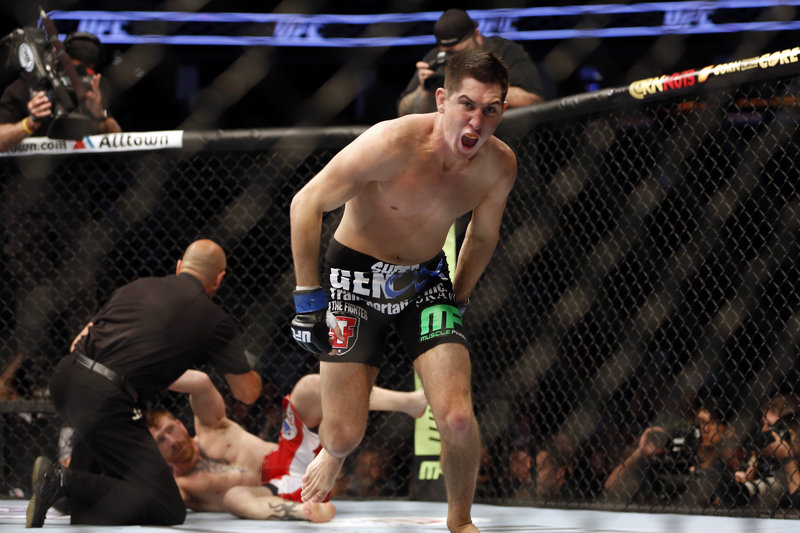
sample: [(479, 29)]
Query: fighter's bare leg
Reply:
[(411, 403), (446, 373), (344, 390), (306, 399), (259, 503)]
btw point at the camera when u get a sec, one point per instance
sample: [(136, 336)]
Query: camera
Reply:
[(731, 493), (681, 450), (33, 56), (781, 427), (761, 486), (437, 65), (666, 475)]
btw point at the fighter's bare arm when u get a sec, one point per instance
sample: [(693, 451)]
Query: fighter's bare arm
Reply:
[(483, 231), (206, 401), (372, 156)]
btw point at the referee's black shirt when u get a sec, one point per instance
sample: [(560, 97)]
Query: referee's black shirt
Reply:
[(153, 329)]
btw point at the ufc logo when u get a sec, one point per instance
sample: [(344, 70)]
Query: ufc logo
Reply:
[(349, 327), (301, 335)]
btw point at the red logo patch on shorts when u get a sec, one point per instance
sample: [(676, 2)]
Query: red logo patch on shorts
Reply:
[(349, 327)]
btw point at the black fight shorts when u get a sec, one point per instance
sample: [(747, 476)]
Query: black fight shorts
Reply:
[(368, 296)]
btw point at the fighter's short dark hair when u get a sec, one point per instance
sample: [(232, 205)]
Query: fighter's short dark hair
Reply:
[(483, 65)]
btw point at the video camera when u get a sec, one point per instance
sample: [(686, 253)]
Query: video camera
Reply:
[(42, 61), (438, 64), (682, 448), (666, 475)]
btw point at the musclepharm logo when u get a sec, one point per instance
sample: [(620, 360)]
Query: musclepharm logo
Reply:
[(430, 470), (438, 320)]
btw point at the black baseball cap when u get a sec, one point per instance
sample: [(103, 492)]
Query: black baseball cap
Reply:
[(84, 46), (453, 27)]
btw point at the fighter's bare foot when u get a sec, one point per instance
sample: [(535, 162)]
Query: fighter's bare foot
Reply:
[(320, 476), (319, 512), (468, 527)]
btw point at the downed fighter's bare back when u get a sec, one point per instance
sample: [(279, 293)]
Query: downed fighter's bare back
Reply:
[(230, 457), (404, 215)]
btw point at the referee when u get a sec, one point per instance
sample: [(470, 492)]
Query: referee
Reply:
[(150, 332)]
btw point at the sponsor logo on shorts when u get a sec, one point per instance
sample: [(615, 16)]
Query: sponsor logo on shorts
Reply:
[(438, 321), (349, 327), (289, 427), (386, 281)]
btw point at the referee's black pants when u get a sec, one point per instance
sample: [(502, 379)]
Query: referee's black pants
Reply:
[(118, 474)]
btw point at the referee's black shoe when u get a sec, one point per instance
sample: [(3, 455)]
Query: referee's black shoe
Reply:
[(49, 485)]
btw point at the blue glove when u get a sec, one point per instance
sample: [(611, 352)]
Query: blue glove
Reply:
[(312, 323)]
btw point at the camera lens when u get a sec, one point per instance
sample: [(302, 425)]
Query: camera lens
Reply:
[(761, 440)]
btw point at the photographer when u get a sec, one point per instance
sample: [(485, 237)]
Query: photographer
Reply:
[(24, 111), (683, 467), (772, 477), (456, 31)]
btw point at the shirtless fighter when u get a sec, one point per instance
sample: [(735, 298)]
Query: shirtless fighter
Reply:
[(403, 183), (226, 468)]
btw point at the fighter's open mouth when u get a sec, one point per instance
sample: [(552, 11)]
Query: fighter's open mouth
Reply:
[(469, 140)]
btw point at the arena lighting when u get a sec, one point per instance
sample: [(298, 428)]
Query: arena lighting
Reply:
[(280, 29)]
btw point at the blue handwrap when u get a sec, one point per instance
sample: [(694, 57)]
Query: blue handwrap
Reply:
[(310, 301)]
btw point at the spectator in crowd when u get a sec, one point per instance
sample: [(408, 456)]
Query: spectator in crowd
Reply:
[(9, 426), (562, 474), (683, 467), (521, 484), (148, 333), (488, 479), (553, 472), (456, 31), (367, 475), (780, 422), (8, 389), (252, 478), (24, 111), (771, 477)]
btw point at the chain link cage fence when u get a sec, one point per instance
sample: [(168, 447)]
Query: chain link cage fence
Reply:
[(637, 325)]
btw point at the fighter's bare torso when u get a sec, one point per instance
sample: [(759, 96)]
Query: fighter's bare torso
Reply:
[(229, 457), (404, 214)]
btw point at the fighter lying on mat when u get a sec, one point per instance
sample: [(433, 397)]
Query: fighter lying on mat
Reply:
[(226, 468)]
